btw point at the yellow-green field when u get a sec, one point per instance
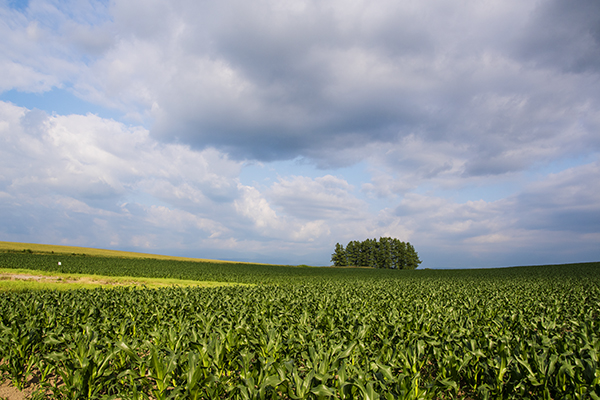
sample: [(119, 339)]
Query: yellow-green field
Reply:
[(49, 248)]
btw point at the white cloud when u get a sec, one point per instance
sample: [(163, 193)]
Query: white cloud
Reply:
[(75, 177), (323, 198), (544, 223), (255, 207), (87, 166), (290, 224)]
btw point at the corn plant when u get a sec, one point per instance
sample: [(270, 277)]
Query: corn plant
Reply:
[(518, 333)]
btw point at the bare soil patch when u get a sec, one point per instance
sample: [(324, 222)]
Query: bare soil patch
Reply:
[(9, 392)]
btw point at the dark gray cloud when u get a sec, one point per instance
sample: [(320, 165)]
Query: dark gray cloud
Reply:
[(307, 79), (276, 81), (270, 82), (564, 35)]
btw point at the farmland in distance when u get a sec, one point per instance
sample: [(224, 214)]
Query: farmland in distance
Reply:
[(304, 333)]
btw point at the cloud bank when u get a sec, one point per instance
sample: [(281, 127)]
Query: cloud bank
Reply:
[(475, 125)]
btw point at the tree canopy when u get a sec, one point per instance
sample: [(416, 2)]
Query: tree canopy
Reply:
[(388, 253)]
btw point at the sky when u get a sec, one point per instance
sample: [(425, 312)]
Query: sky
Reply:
[(268, 131)]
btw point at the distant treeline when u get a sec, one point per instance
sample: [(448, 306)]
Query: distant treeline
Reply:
[(387, 253)]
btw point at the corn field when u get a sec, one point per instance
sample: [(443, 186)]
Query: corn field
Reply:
[(518, 333)]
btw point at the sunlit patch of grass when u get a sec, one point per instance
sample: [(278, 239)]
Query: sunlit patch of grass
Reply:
[(27, 279)]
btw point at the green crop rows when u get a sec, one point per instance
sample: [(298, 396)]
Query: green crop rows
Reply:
[(518, 333)]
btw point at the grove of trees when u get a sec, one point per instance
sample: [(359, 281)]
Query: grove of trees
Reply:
[(386, 253)]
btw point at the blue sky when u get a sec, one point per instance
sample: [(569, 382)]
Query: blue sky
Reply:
[(268, 131)]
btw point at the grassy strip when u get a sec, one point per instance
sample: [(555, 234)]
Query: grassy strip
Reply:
[(27, 279)]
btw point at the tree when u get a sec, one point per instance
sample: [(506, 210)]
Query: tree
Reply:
[(370, 248), (413, 260), (389, 253), (384, 253), (364, 252), (353, 253), (399, 254), (339, 256)]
